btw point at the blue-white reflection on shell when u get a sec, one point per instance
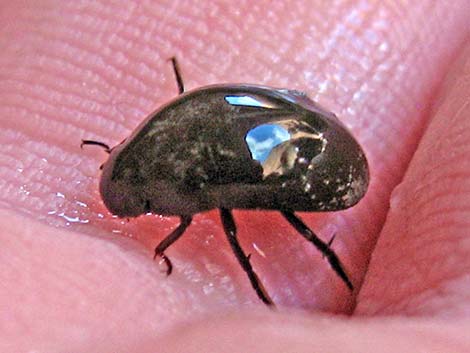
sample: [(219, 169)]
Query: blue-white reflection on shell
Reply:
[(244, 100), (262, 139)]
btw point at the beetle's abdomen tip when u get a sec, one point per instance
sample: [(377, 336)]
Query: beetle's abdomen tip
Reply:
[(356, 191)]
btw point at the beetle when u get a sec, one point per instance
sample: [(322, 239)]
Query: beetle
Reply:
[(236, 146)]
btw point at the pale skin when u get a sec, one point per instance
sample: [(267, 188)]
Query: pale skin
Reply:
[(73, 278)]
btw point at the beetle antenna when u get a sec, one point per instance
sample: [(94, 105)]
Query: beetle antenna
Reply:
[(96, 143), (179, 78)]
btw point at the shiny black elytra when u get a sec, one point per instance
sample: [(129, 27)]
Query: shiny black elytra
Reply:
[(236, 146)]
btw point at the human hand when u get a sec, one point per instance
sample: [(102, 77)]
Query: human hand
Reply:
[(95, 71)]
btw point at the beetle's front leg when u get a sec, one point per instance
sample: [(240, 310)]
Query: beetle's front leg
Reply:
[(170, 239)]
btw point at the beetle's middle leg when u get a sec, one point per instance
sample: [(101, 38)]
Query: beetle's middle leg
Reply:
[(170, 239), (231, 232), (324, 248)]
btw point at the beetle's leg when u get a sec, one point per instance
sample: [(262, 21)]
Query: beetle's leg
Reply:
[(330, 242), (96, 143), (231, 231), (170, 239), (179, 78), (324, 248)]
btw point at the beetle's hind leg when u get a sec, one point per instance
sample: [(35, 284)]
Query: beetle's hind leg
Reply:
[(231, 232), (179, 78), (170, 239), (324, 248)]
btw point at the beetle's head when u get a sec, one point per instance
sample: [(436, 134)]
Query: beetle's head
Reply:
[(131, 185), (121, 187)]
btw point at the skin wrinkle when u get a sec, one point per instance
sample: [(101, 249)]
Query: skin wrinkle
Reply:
[(439, 199), (433, 178), (418, 299), (445, 214), (414, 250), (40, 120), (57, 96), (419, 294), (73, 50), (208, 338), (435, 289), (446, 220)]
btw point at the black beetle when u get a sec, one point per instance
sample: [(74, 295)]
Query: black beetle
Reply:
[(236, 146)]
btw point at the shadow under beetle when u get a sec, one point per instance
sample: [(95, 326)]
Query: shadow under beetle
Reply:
[(236, 146)]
